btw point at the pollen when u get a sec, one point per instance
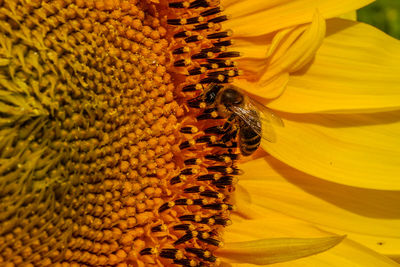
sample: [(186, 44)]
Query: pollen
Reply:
[(109, 153)]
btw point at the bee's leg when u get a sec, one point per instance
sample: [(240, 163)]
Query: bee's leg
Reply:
[(229, 122)]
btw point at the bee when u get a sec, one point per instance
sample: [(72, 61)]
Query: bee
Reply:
[(252, 119)]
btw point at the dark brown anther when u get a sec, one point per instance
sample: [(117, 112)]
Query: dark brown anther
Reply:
[(224, 169), (180, 50), (194, 20), (197, 71), (217, 79), (199, 3), (206, 139), (183, 34), (203, 26), (169, 253), (176, 180), (190, 218), (193, 161), (199, 202), (217, 206), (218, 19), (202, 55), (219, 35), (184, 238), (193, 38), (223, 43), (206, 177), (214, 130), (182, 4), (208, 116), (211, 11), (182, 63), (158, 228), (210, 241), (188, 130), (213, 49), (182, 227), (193, 189), (192, 87), (176, 21), (165, 206), (146, 251), (186, 263), (183, 202), (228, 54), (210, 194), (188, 171), (186, 144)]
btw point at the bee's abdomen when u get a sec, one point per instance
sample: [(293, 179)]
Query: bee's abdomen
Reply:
[(249, 140)]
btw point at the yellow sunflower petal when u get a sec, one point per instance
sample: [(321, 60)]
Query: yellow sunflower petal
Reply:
[(371, 217), (268, 251), (266, 68), (355, 70), (276, 224), (252, 18), (361, 150)]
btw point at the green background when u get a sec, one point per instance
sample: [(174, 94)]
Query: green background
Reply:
[(383, 14)]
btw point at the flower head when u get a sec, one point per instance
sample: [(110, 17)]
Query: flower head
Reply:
[(115, 149)]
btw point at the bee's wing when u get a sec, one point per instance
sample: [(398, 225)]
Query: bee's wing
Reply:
[(266, 113), (259, 118)]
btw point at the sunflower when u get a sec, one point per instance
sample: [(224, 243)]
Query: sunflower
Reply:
[(114, 151)]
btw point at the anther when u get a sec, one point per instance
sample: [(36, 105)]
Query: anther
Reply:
[(183, 202), (159, 228), (219, 19), (209, 139), (214, 130), (192, 87), (189, 130), (200, 202), (223, 181), (211, 194), (211, 241), (187, 144), (193, 189), (208, 177), (214, 49), (195, 20), (217, 79), (176, 21), (228, 54), (203, 26), (190, 218), (194, 38), (193, 161), (219, 35), (209, 116), (189, 171), (184, 227), (202, 55), (211, 11), (171, 253), (165, 206), (199, 3), (189, 235), (183, 4), (197, 71), (183, 34), (182, 62), (217, 206), (181, 50), (177, 179), (148, 251), (186, 262), (224, 43)]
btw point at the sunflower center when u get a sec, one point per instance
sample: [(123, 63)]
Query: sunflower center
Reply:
[(108, 157)]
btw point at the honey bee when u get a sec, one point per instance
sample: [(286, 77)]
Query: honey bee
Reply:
[(253, 120)]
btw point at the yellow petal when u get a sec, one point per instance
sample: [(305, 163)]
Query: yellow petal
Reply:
[(346, 253), (370, 217), (258, 17), (268, 251), (361, 150), (288, 51), (355, 70)]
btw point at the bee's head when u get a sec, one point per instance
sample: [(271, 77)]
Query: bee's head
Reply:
[(231, 97)]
